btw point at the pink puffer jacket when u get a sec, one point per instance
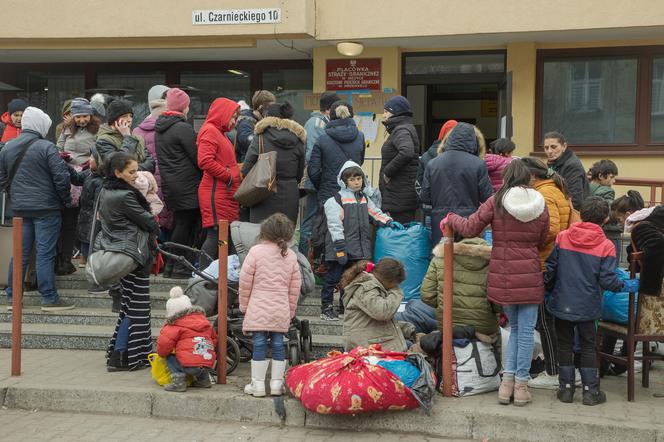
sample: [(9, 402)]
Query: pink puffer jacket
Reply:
[(495, 164), (269, 288)]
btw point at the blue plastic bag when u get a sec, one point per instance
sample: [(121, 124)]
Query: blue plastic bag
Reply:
[(404, 370), (615, 305), (412, 248)]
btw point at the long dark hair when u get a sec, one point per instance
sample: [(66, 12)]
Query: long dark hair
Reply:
[(542, 172), (92, 126), (279, 230), (117, 161), (631, 202), (516, 174)]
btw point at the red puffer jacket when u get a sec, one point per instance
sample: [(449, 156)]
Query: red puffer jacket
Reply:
[(11, 131), (216, 158), (192, 337), (519, 230)]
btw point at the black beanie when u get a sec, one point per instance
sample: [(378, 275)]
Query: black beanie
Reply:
[(280, 110), (398, 105), (16, 105), (327, 99), (118, 108)]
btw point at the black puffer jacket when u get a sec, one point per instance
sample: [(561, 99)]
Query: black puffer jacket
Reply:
[(399, 154), (91, 183), (570, 168), (287, 138), (178, 162), (127, 226), (457, 180), (244, 133), (341, 142)]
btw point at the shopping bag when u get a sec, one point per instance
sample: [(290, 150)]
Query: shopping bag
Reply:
[(159, 368), (261, 181)]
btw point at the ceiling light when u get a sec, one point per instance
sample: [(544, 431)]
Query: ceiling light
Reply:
[(350, 48), (233, 71)]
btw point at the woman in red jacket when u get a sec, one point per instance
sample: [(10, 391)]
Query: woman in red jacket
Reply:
[(221, 175), (520, 222)]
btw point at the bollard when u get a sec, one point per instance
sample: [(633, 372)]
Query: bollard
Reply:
[(222, 303), (448, 299), (17, 293)]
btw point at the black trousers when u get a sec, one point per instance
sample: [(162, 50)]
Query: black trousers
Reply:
[(587, 338), (547, 328), (211, 246), (67, 238)]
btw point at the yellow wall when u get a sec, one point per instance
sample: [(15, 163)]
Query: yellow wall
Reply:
[(521, 61)]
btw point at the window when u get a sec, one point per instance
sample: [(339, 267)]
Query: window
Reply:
[(133, 87), (290, 85), (608, 99)]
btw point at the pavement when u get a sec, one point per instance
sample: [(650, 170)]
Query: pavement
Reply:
[(76, 381)]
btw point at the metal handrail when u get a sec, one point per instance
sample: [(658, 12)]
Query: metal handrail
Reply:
[(652, 184)]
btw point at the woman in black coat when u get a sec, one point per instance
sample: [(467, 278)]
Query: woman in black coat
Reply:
[(400, 158), (561, 159), (281, 134), (175, 141)]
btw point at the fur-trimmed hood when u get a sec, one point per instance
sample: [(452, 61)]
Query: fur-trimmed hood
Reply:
[(523, 203), (471, 253), (181, 314), (281, 124)]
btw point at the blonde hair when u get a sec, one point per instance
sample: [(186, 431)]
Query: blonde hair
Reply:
[(481, 142), (342, 112), (441, 145)]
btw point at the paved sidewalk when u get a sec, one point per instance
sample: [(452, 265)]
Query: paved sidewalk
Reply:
[(63, 380)]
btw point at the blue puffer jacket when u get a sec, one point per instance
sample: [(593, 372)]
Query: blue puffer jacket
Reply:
[(341, 142), (42, 183)]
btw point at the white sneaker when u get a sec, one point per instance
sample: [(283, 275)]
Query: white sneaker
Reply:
[(544, 381)]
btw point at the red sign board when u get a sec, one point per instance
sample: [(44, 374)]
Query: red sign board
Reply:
[(352, 74)]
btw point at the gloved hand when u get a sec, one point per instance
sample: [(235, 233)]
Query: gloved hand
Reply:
[(65, 156), (631, 285), (444, 222), (340, 251), (395, 225)]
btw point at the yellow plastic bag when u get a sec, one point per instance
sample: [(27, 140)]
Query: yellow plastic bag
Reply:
[(160, 371)]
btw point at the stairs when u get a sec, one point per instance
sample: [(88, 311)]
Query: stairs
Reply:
[(90, 326)]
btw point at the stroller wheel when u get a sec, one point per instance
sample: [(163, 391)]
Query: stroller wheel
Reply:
[(306, 349), (294, 355), (232, 356)]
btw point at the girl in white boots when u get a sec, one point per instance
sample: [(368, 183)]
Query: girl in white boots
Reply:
[(269, 288)]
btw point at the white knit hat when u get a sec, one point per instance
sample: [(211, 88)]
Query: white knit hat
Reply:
[(177, 303)]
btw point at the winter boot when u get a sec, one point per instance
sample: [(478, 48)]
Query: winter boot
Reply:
[(277, 378), (178, 383), (257, 386), (203, 379), (566, 389), (592, 395), (506, 390), (521, 394), (117, 361)]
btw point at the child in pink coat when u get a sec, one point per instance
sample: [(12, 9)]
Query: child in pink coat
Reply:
[(269, 288), (498, 159)]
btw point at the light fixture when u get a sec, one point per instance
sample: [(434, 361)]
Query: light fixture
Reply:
[(350, 48), (233, 71)]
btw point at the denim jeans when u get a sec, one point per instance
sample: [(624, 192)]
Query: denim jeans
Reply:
[(174, 366), (307, 224), (44, 232), (122, 338), (332, 278), (519, 353), (260, 345)]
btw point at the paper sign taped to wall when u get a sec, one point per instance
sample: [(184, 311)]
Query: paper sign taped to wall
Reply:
[(362, 102)]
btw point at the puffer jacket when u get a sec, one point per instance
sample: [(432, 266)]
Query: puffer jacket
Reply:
[(287, 138), (110, 141), (192, 337), (519, 230), (315, 127), (216, 158), (41, 184), (570, 168), (348, 219), (269, 288), (369, 314), (399, 160), (457, 180), (178, 161), (341, 142), (10, 132), (91, 181), (471, 266), (581, 266), (495, 165), (559, 213), (127, 226), (244, 133)]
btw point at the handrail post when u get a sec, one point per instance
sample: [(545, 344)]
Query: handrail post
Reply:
[(222, 302), (448, 299), (17, 293)]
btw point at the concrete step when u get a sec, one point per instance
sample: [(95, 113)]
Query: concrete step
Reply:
[(78, 316), (82, 299), (78, 281)]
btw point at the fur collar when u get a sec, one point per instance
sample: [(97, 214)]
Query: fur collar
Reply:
[(471, 247), (524, 203), (195, 309), (281, 123), (114, 183)]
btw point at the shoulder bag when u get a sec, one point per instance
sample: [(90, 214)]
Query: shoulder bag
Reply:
[(261, 181)]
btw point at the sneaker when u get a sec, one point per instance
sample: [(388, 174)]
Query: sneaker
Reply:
[(57, 306), (329, 314), (544, 381), (10, 308)]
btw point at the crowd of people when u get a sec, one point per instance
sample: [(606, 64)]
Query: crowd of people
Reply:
[(104, 186)]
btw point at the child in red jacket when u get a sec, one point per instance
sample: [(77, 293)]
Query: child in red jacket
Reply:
[(187, 341)]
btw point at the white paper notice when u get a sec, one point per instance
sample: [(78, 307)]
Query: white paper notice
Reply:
[(368, 126)]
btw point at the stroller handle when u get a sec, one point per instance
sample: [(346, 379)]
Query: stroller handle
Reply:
[(182, 260)]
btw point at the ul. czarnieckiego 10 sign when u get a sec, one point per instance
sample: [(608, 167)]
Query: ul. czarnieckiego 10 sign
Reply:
[(236, 16)]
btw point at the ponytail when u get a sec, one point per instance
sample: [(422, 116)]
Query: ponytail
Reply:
[(541, 171)]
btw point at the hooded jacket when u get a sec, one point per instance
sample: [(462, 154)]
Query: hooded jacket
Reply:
[(110, 141), (10, 132), (216, 158), (348, 217), (41, 184), (471, 267), (369, 314), (570, 168), (315, 127), (457, 180), (559, 213), (178, 161), (340, 142), (519, 230), (399, 159), (146, 130), (581, 266), (287, 138), (244, 133), (191, 336), (495, 165)]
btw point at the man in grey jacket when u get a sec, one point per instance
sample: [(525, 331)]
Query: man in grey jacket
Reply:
[(38, 183)]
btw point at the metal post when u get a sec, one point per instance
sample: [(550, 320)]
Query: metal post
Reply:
[(17, 293), (448, 299), (222, 303)]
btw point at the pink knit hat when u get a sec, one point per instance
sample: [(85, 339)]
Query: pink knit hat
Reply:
[(177, 100)]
